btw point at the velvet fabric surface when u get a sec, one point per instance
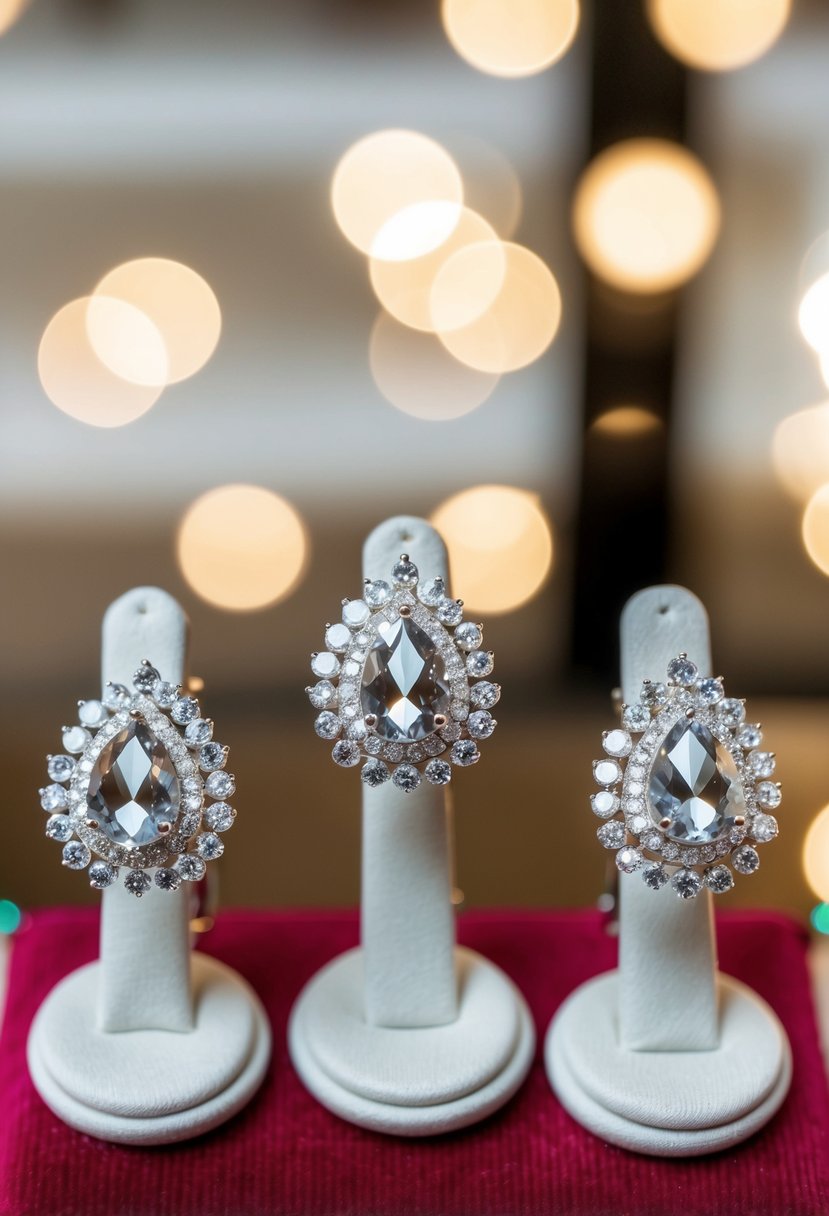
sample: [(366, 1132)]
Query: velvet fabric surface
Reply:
[(285, 1154)]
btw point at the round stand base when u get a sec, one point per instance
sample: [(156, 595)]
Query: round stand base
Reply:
[(668, 1103), (150, 1086), (411, 1081)]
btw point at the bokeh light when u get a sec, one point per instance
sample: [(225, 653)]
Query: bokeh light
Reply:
[(491, 185), (77, 382), (126, 341), (646, 215), (510, 37), (396, 195), (500, 546), (418, 376), (180, 304), (800, 451), (813, 314), (242, 547), (815, 528), (10, 917), (405, 288), (626, 422), (819, 917), (816, 855), (10, 12), (520, 322), (718, 35)]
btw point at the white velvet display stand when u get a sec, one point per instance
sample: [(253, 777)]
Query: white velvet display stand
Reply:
[(152, 1043), (410, 1034), (667, 1056)]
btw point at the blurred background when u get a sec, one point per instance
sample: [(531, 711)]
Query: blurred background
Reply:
[(551, 274)]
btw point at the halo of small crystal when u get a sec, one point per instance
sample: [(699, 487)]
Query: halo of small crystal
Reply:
[(339, 670), (622, 775), (185, 735)]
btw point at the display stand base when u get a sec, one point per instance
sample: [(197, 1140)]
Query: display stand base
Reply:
[(148, 1087), (668, 1103), (412, 1081)]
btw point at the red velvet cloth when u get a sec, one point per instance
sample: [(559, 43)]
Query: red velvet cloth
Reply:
[(286, 1155)]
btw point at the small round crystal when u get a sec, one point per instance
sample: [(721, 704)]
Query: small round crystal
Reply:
[(449, 611), (211, 756), (606, 772), (464, 753), (616, 742), (60, 768), (327, 725), (355, 614), (145, 678), (686, 884), (76, 856), (611, 834), (345, 753), (325, 665), (481, 724), (732, 711), (59, 827), (468, 635), (719, 879), (745, 860), (337, 637), (636, 717), (322, 694), (479, 663), (377, 593), (709, 690), (760, 764), (438, 772), (184, 710), (75, 739), (406, 778), (628, 859), (220, 816), (167, 879), (197, 732), (191, 867), (682, 671), (404, 573), (604, 804), (653, 694), (432, 592), (764, 828), (53, 798), (102, 874), (749, 735), (484, 694), (374, 772), (137, 883), (654, 875), (209, 846), (165, 693), (769, 795), (116, 696), (220, 785), (92, 713)]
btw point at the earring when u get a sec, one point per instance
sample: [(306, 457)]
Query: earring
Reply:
[(394, 684), (693, 792), (128, 789)]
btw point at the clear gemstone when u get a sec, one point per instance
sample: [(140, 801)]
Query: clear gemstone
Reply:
[(709, 691), (750, 735), (373, 745), (377, 593), (438, 772), (327, 725), (345, 753), (760, 764), (404, 573), (356, 613), (212, 756), (731, 711), (611, 834), (604, 804), (468, 636), (220, 785), (628, 859), (53, 798), (76, 856), (432, 592), (102, 874), (219, 816), (449, 611), (745, 860), (481, 724), (606, 772), (167, 879), (653, 694), (479, 663), (404, 682), (484, 694), (686, 883), (764, 828), (199, 731), (184, 710), (165, 693), (75, 738), (374, 772), (337, 637), (324, 664), (209, 846), (768, 795), (406, 778), (191, 867), (59, 827), (322, 694), (652, 840), (719, 879), (116, 696), (636, 717), (92, 713), (464, 753), (616, 742), (144, 679), (681, 670), (133, 787), (654, 875), (670, 851), (137, 883), (60, 768), (694, 783)]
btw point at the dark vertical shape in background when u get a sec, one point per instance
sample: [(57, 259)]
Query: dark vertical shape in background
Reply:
[(638, 90)]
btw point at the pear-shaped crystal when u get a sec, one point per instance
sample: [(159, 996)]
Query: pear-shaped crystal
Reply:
[(695, 784), (404, 682), (133, 787)]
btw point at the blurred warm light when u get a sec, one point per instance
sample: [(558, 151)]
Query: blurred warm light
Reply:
[(126, 341), (800, 451), (646, 215), (520, 322), (626, 422), (815, 528), (242, 547), (417, 375), (717, 35), (10, 11), (500, 546), (816, 855), (813, 314), (491, 185), (396, 194), (511, 37), (180, 304), (77, 382), (405, 288)]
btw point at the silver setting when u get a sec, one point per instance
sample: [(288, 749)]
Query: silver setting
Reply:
[(722, 757)]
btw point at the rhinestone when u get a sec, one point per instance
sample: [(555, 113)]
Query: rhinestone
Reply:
[(377, 593), (604, 804), (60, 768), (133, 786), (219, 816), (393, 752), (374, 772), (606, 772), (689, 857), (432, 592), (628, 860), (670, 851), (212, 756), (481, 724), (406, 778), (464, 753), (768, 795), (449, 611), (709, 691), (191, 867), (356, 730), (337, 637), (438, 772), (355, 614), (145, 677), (708, 852), (75, 738), (719, 879), (637, 824), (468, 635), (749, 735), (731, 711), (745, 860), (636, 717), (654, 875), (220, 785), (433, 745), (167, 880), (694, 783), (92, 713), (479, 663), (451, 731), (325, 665), (165, 693), (760, 764), (611, 834), (373, 745), (59, 827), (327, 725), (686, 883), (102, 874), (76, 856), (322, 694), (484, 694), (209, 846), (653, 694), (764, 828), (682, 671), (137, 883), (404, 573), (404, 682), (616, 742), (184, 710), (116, 696), (199, 731), (652, 840), (346, 753), (53, 798)]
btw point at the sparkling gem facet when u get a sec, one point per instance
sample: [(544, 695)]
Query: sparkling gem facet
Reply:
[(325, 664), (220, 785), (686, 883), (764, 828), (760, 764), (102, 874), (479, 663), (404, 682), (167, 879), (636, 717), (438, 772), (406, 778), (616, 742), (745, 860), (719, 879), (768, 795), (481, 724), (464, 753), (76, 856), (133, 786), (137, 883), (628, 859), (374, 772), (60, 768), (654, 875), (604, 804), (682, 671), (191, 867), (377, 593), (694, 783), (220, 816), (611, 834)]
